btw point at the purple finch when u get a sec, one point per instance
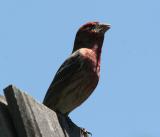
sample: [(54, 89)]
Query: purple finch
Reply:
[(78, 76)]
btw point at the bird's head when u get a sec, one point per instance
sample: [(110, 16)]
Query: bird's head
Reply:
[(90, 34), (94, 28)]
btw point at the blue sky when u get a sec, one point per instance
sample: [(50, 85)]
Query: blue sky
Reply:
[(37, 36)]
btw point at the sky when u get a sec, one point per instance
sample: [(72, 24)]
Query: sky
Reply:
[(36, 36)]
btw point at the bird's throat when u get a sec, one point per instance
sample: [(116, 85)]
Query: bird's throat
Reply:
[(97, 50)]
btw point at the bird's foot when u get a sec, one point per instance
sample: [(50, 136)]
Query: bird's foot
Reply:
[(85, 133)]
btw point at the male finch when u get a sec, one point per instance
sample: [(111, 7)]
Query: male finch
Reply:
[(78, 76)]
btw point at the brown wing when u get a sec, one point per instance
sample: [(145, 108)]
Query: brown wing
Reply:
[(62, 79)]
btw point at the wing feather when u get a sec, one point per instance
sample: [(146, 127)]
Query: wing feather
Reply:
[(62, 79)]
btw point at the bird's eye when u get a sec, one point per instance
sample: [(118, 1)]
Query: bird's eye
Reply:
[(93, 27)]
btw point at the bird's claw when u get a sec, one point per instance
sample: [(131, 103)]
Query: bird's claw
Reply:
[(85, 133)]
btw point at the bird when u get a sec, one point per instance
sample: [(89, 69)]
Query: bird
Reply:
[(78, 76)]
